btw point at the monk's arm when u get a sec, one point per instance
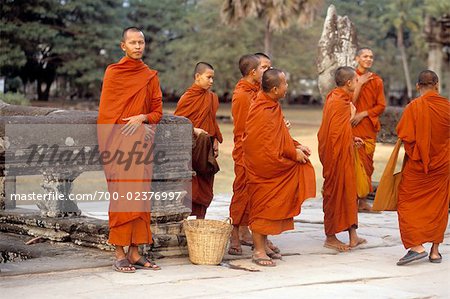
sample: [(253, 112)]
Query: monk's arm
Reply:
[(361, 81), (380, 102), (156, 102)]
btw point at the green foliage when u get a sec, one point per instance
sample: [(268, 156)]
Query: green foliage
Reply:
[(14, 98)]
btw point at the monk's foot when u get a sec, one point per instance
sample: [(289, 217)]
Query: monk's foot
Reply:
[(245, 236), (235, 248), (336, 245), (261, 259), (143, 263), (272, 254), (124, 266), (272, 246), (365, 207), (357, 242)]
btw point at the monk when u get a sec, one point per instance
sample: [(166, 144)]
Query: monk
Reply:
[(423, 192), (370, 103), (279, 174), (336, 142), (131, 96), (244, 94), (200, 105), (244, 233)]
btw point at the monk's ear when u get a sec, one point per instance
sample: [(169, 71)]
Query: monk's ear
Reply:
[(196, 76), (122, 46), (417, 87)]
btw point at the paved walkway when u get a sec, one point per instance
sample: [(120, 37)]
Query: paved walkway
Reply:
[(308, 270)]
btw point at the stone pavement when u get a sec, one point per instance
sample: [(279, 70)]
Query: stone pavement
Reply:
[(308, 270)]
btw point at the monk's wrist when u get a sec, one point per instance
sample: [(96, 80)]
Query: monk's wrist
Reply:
[(144, 118)]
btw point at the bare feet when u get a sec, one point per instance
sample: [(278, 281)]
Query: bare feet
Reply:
[(358, 241), (434, 252), (364, 206), (333, 243)]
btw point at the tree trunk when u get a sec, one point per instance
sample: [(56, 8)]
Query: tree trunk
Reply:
[(268, 40), (401, 47), (435, 59)]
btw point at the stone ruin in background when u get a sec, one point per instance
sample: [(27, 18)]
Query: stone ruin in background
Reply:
[(337, 47), (75, 131)]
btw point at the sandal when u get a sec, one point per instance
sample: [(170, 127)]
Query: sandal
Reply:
[(259, 262), (123, 266), (235, 250), (436, 260), (140, 264), (274, 255)]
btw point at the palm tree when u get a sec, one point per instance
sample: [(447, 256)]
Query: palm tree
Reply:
[(277, 14), (402, 15)]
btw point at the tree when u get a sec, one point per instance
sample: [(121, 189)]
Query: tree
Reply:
[(404, 17), (46, 38), (277, 15)]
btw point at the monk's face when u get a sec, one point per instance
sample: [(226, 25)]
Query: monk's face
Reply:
[(265, 63), (206, 79), (258, 73), (133, 45), (282, 89), (351, 84), (365, 59)]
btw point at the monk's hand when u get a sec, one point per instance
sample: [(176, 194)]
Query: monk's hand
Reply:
[(288, 124), (133, 123), (358, 118), (198, 131), (358, 141), (301, 156), (306, 150), (216, 148), (365, 78), (352, 111)]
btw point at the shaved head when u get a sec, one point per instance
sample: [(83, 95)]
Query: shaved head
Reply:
[(201, 67), (343, 74), (247, 63), (263, 55), (362, 49), (130, 29), (271, 78), (427, 79)]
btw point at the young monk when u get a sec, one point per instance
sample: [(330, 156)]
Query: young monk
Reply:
[(200, 105), (244, 233), (279, 174), (370, 103), (336, 142), (423, 193), (244, 94), (131, 96)]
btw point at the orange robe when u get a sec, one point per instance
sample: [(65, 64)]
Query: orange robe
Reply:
[(130, 88), (371, 99), (336, 153), (423, 194), (200, 107), (277, 184), (244, 94)]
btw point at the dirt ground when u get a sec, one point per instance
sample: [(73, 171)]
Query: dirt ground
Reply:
[(305, 122)]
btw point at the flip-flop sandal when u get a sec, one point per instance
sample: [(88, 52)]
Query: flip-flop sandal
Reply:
[(235, 251), (140, 264), (123, 266), (273, 247), (245, 243), (411, 256), (274, 256), (436, 260), (259, 262)]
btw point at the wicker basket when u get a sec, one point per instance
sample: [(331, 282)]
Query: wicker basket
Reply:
[(207, 240)]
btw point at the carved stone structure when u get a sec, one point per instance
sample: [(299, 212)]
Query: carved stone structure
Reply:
[(75, 134), (337, 47), (437, 36)]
